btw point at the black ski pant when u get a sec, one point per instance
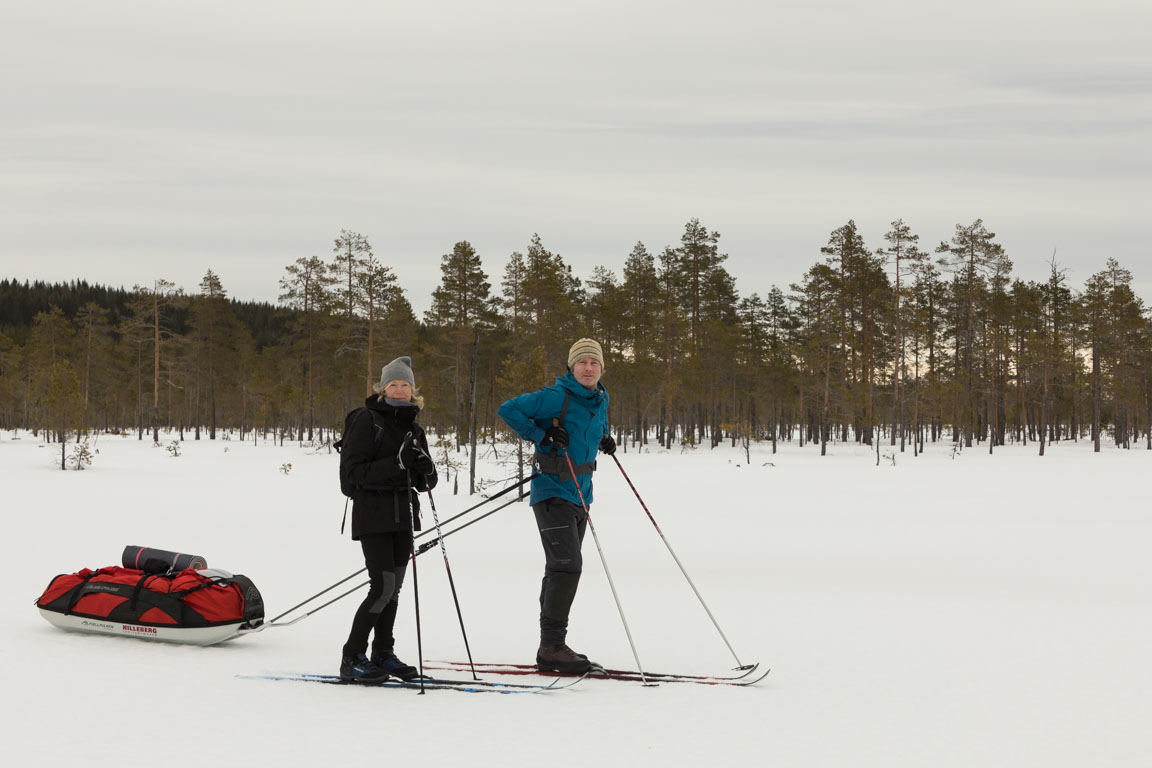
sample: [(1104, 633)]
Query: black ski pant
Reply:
[(562, 525), (386, 556)]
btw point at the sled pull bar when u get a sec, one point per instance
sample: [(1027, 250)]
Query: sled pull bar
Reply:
[(303, 616), (322, 592), (417, 551)]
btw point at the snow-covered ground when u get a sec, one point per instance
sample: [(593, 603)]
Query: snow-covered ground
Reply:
[(969, 611)]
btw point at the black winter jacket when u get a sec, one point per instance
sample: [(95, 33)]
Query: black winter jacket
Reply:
[(370, 455)]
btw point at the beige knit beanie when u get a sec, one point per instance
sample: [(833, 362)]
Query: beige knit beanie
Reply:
[(585, 348)]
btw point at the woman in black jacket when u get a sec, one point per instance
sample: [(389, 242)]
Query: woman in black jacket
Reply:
[(385, 456)]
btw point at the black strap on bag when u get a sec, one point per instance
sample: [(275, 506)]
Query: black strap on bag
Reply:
[(563, 409), (138, 588), (556, 465), (78, 591)]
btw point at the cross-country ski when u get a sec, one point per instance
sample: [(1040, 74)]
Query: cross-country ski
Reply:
[(429, 683), (751, 676)]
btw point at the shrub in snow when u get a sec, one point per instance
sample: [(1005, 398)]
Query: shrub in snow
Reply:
[(81, 455)]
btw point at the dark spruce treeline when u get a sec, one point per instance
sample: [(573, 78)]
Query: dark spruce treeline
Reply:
[(888, 346)]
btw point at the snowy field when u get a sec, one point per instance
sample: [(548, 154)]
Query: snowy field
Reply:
[(969, 611)]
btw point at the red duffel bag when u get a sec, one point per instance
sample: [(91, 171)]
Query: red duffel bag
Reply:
[(189, 606)]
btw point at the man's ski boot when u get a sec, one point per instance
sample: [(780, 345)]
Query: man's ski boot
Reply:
[(358, 669), (388, 662), (558, 657)]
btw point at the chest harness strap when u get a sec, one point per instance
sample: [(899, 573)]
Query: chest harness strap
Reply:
[(553, 464)]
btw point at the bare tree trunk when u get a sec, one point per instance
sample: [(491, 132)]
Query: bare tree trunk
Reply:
[(156, 368), (472, 396), (1095, 397), (1044, 408), (824, 411)]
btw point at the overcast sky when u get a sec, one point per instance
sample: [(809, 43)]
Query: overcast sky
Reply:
[(142, 140)]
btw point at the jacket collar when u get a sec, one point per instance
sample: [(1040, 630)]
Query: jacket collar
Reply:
[(568, 382), (405, 413)]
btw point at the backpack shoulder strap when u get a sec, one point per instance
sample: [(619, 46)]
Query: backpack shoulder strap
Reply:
[(377, 425), (563, 410)]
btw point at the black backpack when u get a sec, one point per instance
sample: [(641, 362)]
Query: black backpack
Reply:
[(347, 487)]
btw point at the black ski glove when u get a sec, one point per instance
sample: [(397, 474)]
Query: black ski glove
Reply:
[(423, 464), (555, 436), (608, 446)]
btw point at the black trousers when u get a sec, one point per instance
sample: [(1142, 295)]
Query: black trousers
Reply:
[(386, 556), (562, 525)]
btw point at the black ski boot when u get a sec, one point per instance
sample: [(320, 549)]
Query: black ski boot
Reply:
[(388, 662), (558, 657), (358, 669)]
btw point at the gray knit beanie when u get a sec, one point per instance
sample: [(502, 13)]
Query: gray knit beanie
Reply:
[(399, 369)]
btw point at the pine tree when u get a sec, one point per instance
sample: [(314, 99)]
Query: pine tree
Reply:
[(11, 356), (1054, 306), (783, 329), (514, 304), (150, 308), (553, 294), (64, 410), (604, 311), (378, 295), (350, 254), (672, 332), (753, 362), (695, 259), (905, 257), (216, 338), (95, 336), (462, 299), (997, 324), (860, 291), (720, 334), (970, 256), (462, 307), (1115, 325), (52, 339), (306, 289), (820, 334), (640, 294)]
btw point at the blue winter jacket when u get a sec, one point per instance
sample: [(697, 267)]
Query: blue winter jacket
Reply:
[(531, 414)]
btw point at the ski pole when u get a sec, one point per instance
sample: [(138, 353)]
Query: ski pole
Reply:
[(740, 665), (423, 548), (416, 552), (416, 590), (415, 579), (604, 561), (429, 544), (451, 582), (489, 499)]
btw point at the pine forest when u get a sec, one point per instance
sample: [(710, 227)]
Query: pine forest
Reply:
[(890, 345)]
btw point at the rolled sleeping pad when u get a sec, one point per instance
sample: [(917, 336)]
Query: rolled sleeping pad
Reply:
[(159, 560)]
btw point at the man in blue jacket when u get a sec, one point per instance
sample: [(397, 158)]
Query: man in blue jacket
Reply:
[(569, 417)]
